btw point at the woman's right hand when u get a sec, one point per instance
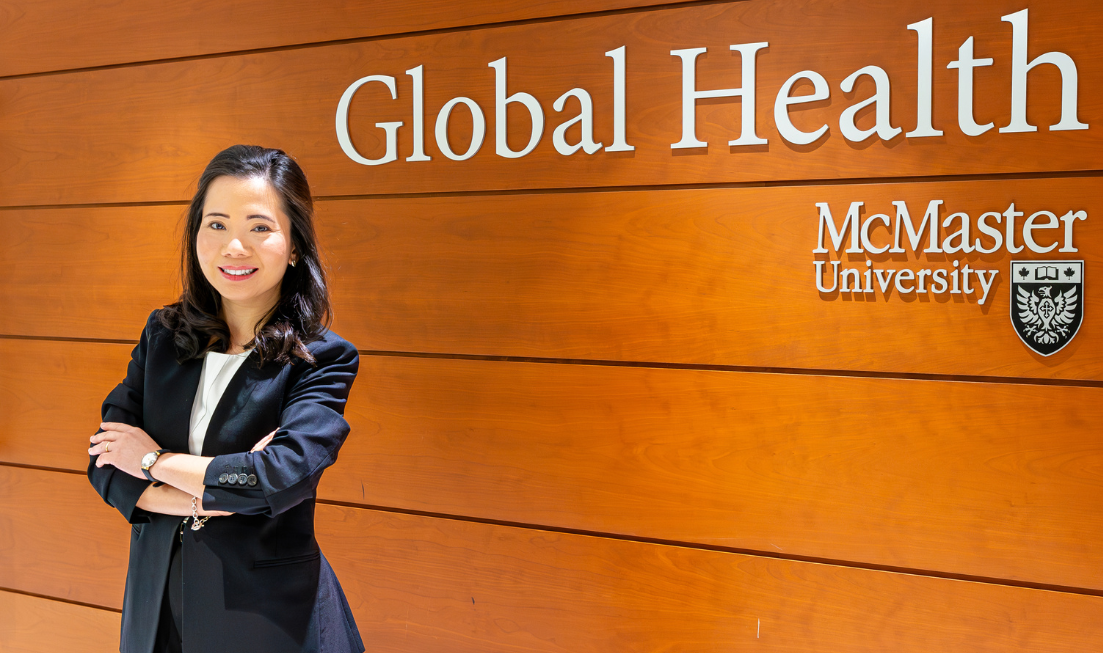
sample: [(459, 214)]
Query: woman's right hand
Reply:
[(264, 441)]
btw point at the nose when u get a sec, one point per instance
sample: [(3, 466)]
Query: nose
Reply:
[(234, 248)]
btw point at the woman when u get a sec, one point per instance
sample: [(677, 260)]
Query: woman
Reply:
[(231, 408)]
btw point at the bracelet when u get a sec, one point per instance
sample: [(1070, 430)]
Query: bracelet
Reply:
[(196, 522)]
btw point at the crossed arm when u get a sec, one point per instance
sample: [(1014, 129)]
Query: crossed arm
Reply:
[(182, 474), (312, 430)]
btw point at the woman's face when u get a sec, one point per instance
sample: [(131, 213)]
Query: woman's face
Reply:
[(244, 241)]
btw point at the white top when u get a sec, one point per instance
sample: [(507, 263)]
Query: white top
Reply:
[(218, 369)]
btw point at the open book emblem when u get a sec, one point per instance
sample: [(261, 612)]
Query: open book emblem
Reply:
[(1047, 304)]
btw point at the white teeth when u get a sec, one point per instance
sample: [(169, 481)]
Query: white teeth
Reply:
[(239, 273)]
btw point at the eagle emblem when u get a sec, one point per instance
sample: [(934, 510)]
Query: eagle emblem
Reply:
[(1046, 308)]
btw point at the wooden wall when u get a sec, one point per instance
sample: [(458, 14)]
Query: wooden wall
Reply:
[(601, 405)]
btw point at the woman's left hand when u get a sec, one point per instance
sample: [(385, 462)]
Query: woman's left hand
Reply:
[(128, 445)]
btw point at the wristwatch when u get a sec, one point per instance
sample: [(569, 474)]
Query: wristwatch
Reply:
[(148, 460)]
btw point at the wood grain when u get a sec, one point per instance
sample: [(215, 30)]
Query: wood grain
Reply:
[(42, 35), (50, 399), (712, 277), (420, 584), (30, 624), (973, 479), (58, 538), (144, 133), (724, 277), (1001, 481), (60, 264)]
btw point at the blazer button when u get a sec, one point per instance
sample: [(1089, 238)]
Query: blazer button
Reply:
[(252, 479), (241, 479), (232, 479), (222, 477)]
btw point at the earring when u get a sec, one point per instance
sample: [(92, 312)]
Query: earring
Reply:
[(292, 263)]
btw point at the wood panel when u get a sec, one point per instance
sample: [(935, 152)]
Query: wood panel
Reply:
[(989, 480), (50, 399), (717, 277), (693, 276), (43, 35), (58, 538), (418, 583), (76, 272), (143, 133), (30, 624), (965, 478)]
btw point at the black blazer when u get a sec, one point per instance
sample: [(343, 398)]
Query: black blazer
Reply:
[(255, 580)]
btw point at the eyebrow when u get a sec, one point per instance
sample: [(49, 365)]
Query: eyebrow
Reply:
[(257, 216)]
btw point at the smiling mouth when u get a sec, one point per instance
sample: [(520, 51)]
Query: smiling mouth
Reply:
[(237, 275)]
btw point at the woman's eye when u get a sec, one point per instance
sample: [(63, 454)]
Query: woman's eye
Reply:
[(215, 224), (260, 226)]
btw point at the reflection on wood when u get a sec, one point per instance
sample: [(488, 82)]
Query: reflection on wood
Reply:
[(419, 584), (29, 624), (58, 538), (723, 277), (961, 478), (144, 133), (45, 37), (423, 584)]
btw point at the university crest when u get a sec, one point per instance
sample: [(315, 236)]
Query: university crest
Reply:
[(1047, 304)]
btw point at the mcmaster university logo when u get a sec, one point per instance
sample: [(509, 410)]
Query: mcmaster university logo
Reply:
[(1047, 303)]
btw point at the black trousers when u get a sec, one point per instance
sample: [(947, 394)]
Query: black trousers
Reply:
[(171, 621)]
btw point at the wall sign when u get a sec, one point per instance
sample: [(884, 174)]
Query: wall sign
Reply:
[(967, 64), (864, 249)]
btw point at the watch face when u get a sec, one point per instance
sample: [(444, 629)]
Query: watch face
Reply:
[(149, 459)]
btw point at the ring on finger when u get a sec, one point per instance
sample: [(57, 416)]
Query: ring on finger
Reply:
[(107, 446)]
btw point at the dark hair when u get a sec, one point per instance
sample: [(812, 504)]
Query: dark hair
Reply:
[(303, 312)]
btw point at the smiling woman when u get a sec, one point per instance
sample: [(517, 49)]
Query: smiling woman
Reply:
[(246, 351), (243, 245)]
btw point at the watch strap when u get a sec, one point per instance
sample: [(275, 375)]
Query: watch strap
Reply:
[(145, 471)]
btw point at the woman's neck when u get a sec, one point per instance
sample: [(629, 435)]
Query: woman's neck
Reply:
[(241, 319)]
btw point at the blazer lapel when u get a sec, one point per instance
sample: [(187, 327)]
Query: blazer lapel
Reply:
[(233, 422), (175, 404)]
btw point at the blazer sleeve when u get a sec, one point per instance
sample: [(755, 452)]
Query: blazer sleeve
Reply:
[(312, 430), (124, 404)]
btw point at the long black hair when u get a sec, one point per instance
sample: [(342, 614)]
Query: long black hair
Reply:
[(303, 312)]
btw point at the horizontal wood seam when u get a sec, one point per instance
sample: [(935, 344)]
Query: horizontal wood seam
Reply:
[(796, 371), (747, 369), (61, 600), (850, 564), (95, 341), (43, 468), (785, 183), (673, 4)]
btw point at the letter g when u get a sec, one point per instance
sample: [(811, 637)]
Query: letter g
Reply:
[(391, 128)]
